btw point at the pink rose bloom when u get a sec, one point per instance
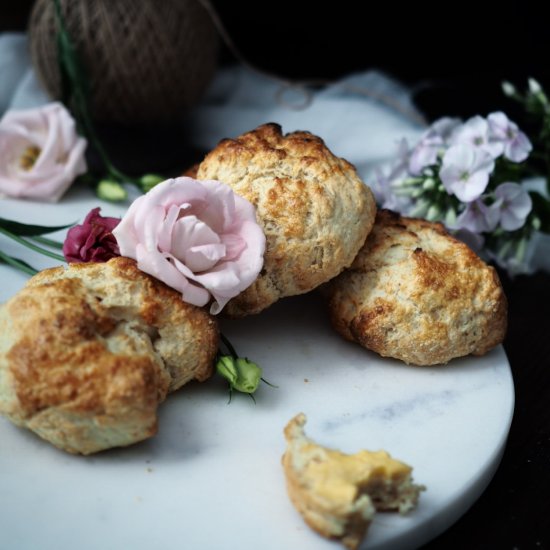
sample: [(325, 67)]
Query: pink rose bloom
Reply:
[(93, 241), (40, 153), (198, 237)]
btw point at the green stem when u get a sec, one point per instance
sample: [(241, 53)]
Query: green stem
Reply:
[(229, 346), (89, 131), (28, 244), (77, 99), (17, 264)]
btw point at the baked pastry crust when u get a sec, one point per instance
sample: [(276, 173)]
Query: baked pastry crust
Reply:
[(313, 207), (337, 494), (417, 294), (88, 352)]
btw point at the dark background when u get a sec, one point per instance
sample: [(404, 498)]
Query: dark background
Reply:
[(455, 56), (454, 53)]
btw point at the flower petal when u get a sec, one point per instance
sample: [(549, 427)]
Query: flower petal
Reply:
[(215, 248), (50, 129)]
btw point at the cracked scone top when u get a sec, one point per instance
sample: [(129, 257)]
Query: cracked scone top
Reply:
[(314, 209), (87, 353), (417, 294)]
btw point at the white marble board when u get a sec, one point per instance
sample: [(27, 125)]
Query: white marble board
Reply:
[(212, 477)]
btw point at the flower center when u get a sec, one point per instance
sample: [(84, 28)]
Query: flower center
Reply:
[(29, 156), (478, 140), (465, 176)]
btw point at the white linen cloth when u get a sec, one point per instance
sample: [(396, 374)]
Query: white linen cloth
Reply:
[(363, 130)]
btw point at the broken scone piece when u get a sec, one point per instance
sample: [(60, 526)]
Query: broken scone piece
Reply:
[(337, 494)]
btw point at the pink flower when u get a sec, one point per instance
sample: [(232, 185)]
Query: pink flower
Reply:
[(40, 153), (93, 241), (465, 171), (198, 237)]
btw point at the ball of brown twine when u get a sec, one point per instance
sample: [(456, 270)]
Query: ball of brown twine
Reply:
[(146, 61)]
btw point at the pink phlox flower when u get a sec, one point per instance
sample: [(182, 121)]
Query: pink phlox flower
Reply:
[(477, 217), (465, 171), (513, 205), (475, 133), (432, 143), (516, 144)]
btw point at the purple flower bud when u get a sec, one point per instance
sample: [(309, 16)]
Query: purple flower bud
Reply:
[(93, 241)]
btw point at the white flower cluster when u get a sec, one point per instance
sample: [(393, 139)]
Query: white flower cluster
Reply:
[(467, 175)]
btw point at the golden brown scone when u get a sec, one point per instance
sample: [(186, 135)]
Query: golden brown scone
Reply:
[(312, 206), (337, 494), (191, 172), (88, 352), (419, 295)]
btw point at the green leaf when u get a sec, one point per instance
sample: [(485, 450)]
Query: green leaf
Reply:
[(17, 263), (30, 230), (27, 230), (48, 242), (31, 245)]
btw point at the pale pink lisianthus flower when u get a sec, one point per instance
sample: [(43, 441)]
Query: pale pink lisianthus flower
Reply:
[(198, 237), (41, 153)]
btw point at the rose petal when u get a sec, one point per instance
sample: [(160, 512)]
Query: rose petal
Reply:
[(165, 234), (203, 257), (234, 245), (190, 233)]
